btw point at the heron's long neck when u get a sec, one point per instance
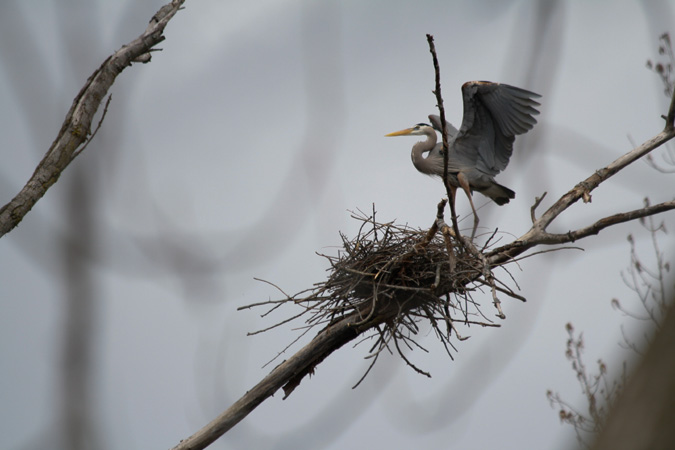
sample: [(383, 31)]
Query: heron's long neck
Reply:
[(417, 155)]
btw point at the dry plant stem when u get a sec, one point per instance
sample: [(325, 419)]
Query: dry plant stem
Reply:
[(77, 125), (537, 235), (444, 137)]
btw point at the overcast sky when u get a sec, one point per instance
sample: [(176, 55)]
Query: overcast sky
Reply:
[(239, 152)]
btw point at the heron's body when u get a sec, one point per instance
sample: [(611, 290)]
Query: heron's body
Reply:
[(433, 164), (494, 114)]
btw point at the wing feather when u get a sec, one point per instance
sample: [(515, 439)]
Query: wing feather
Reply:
[(450, 130), (494, 114)]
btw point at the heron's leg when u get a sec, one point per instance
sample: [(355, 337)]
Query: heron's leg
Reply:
[(464, 183), (453, 214)]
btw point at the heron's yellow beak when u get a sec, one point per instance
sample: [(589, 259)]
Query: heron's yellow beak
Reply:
[(400, 133)]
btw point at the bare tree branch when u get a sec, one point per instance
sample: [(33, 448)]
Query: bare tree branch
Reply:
[(76, 127), (609, 221), (292, 370), (537, 235)]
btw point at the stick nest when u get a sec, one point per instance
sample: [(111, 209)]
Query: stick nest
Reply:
[(390, 278)]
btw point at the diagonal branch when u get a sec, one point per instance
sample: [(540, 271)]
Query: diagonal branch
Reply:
[(537, 235), (285, 375), (583, 189), (76, 127)]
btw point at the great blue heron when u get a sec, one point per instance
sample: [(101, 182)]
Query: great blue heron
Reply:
[(494, 114)]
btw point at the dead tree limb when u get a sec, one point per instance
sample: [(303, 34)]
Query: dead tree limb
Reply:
[(76, 129), (537, 235), (294, 368)]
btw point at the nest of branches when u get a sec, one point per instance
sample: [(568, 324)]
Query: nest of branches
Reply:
[(389, 280)]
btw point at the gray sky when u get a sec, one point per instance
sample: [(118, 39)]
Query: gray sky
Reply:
[(239, 152)]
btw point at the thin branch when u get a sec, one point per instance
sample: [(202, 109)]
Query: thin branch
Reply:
[(444, 136), (77, 125), (537, 202), (612, 220)]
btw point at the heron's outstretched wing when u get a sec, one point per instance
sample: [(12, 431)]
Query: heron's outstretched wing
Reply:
[(494, 114), (450, 130)]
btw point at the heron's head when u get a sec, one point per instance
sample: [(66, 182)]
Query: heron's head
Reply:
[(419, 129)]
